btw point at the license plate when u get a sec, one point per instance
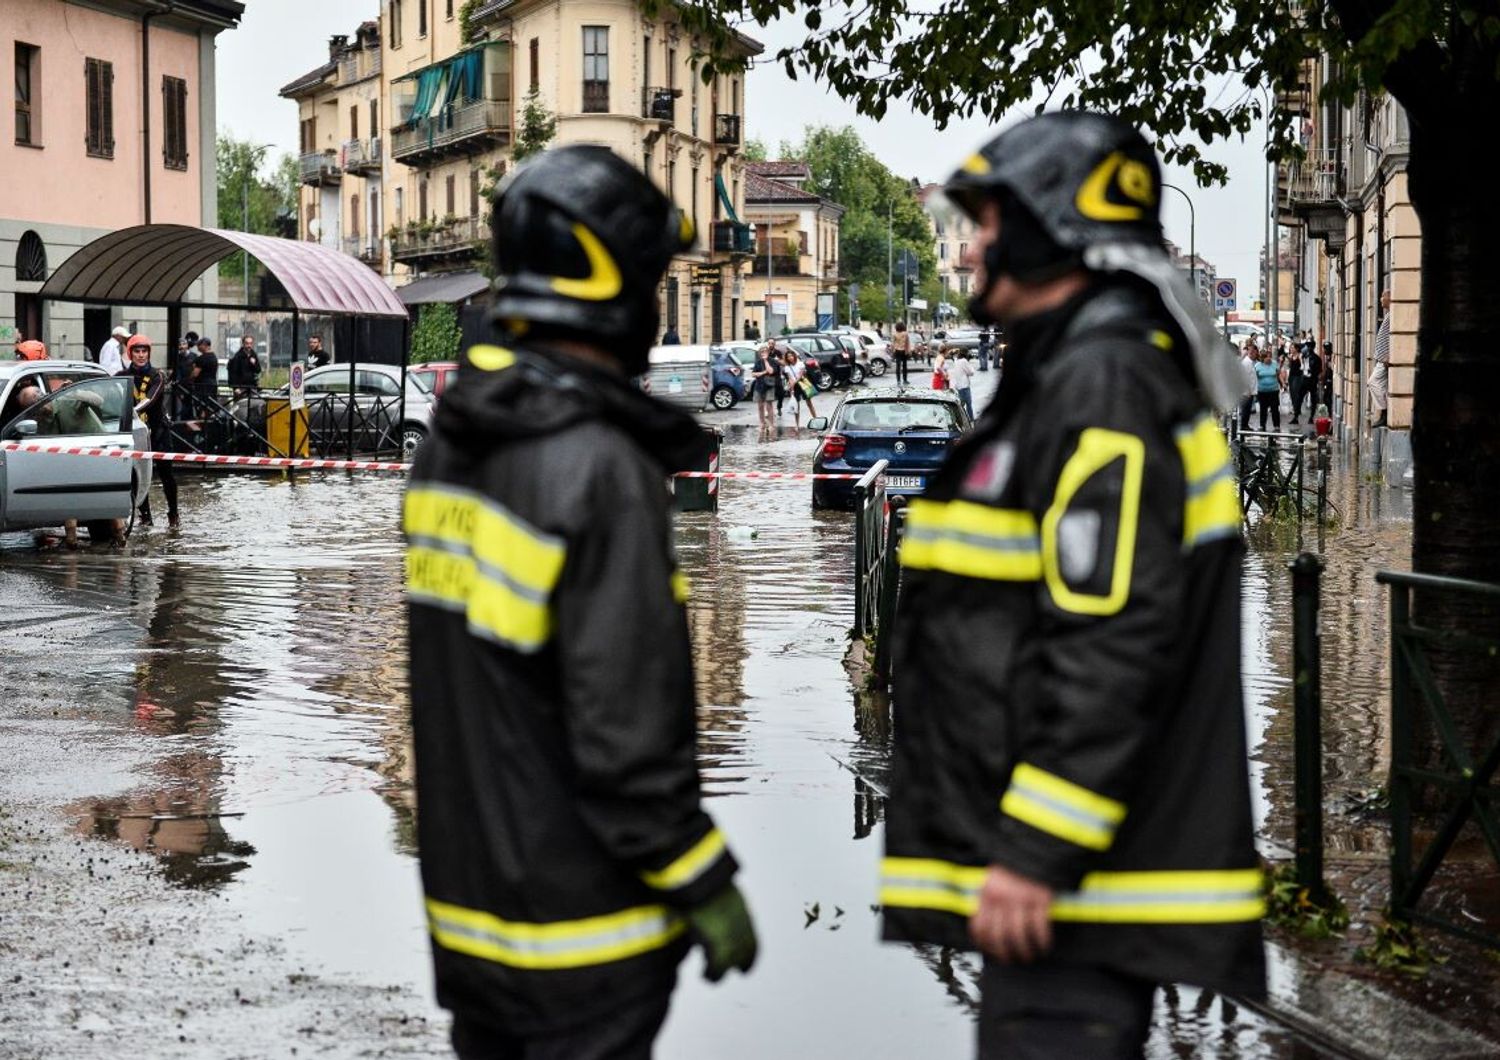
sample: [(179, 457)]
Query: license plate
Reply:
[(903, 482)]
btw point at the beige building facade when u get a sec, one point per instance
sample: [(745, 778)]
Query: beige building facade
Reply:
[(449, 100), (797, 246), (953, 237), (1355, 234), (113, 125)]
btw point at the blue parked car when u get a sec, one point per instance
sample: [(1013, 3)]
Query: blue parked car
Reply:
[(730, 382), (912, 427)]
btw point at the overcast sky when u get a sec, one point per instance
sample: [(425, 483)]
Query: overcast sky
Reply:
[(279, 40)]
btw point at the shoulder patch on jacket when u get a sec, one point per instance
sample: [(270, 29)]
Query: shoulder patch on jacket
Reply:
[(990, 472)]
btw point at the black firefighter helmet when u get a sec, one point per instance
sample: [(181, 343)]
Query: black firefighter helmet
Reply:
[(1064, 181), (581, 241)]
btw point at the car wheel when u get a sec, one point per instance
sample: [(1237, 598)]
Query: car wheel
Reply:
[(823, 379), (723, 398), (877, 367), (412, 437), (856, 375)]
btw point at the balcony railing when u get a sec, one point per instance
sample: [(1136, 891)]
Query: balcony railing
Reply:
[(727, 130), (361, 156), (1318, 178), (660, 104), (781, 265), (733, 237), (319, 167), (458, 127), (432, 240), (354, 67)]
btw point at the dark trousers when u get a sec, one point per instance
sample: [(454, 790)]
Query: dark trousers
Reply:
[(1245, 410), (901, 375), (624, 1034), (1051, 1012), (1297, 386), (162, 472), (1270, 401)]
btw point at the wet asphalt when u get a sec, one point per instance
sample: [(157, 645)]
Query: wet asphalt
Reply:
[(206, 843)]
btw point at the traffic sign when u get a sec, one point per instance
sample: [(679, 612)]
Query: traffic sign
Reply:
[(1224, 295), (295, 393)]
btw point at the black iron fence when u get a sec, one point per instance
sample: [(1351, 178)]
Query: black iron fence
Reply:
[(869, 547), (1462, 783), (1282, 474), (235, 421)]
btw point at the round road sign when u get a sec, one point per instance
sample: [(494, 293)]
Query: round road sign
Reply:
[(1224, 288)]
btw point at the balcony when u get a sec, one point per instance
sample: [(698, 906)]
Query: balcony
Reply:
[(733, 237), (361, 157), (660, 104), (460, 128), (781, 265), (727, 130), (1310, 193), (437, 241), (357, 67), (829, 271), (365, 248), (319, 167)]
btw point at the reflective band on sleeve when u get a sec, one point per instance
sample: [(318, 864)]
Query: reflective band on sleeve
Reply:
[(1097, 449), (971, 540), (467, 554), (679, 587), (560, 944), (1211, 507), (927, 883), (691, 865), (1061, 808), (1184, 897)]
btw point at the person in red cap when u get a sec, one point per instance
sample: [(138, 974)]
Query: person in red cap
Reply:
[(31, 350)]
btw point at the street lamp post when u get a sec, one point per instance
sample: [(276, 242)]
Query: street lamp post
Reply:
[(1192, 233), (890, 262)]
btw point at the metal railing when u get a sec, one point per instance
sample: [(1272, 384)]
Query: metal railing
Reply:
[(1418, 707), (1272, 469), (727, 130), (1317, 178), (437, 239), (315, 167), (359, 156), (734, 237), (781, 265), (660, 104), (870, 512), (452, 125)]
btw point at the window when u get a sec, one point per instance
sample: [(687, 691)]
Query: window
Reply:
[(448, 194), (942, 251), (354, 217), (671, 178), (693, 129), (374, 117), (671, 67), (536, 65), (375, 215), (309, 135), (99, 77), (473, 193), (174, 151), (400, 208), (421, 18), (450, 9), (28, 84), (694, 214), (963, 253), (646, 60), (354, 122), (596, 69), (394, 17), (422, 199)]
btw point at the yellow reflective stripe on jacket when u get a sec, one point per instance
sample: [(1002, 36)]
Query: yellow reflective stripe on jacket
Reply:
[(1189, 896), (1061, 808), (560, 944), (688, 867), (1097, 449), (971, 540), (1211, 509), (466, 553), (680, 587), (928, 883)]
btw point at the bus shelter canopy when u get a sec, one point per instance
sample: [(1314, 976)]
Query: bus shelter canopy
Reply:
[(156, 264)]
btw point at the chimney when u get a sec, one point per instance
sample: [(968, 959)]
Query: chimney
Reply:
[(336, 44)]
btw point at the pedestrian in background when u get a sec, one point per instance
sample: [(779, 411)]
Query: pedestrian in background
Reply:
[(149, 389), (203, 379), (961, 379), (566, 858), (182, 394), (317, 356), (900, 346), (670, 337), (1268, 389), (110, 354), (801, 387), (244, 367), (940, 368), (1379, 387), (765, 376), (1070, 790)]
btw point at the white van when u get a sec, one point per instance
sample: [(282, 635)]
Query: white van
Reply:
[(679, 375)]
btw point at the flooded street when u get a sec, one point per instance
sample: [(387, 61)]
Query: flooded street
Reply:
[(206, 841)]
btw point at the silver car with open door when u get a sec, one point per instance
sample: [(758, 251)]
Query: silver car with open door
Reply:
[(44, 489)]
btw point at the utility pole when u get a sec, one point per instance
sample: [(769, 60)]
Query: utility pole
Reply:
[(770, 270), (890, 263), (1192, 233)]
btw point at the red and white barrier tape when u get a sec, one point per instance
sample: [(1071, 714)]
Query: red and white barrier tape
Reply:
[(272, 463)]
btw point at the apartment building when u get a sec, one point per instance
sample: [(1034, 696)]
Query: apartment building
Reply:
[(449, 93), (113, 126), (797, 246), (953, 233), (1354, 234)]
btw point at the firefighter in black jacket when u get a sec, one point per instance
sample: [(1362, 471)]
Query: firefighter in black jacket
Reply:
[(1071, 793), (566, 861)]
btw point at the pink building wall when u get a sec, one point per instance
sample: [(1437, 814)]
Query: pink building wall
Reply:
[(59, 183)]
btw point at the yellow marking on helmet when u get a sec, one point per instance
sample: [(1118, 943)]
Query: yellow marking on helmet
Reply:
[(603, 281), (686, 230), (1092, 199), (976, 164), (490, 358), (1161, 340), (1135, 182)]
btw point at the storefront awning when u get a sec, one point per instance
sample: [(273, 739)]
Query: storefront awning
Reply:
[(452, 288)]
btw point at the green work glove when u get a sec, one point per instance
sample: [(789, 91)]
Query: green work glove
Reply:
[(722, 924)]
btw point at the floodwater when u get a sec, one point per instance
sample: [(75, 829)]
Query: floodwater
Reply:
[(230, 702)]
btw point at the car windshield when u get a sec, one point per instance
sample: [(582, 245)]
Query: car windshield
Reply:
[(898, 415)]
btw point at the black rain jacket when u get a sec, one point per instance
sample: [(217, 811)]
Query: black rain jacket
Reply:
[(552, 694), (1067, 661)]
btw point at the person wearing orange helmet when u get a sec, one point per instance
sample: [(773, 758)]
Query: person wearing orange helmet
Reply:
[(31, 350)]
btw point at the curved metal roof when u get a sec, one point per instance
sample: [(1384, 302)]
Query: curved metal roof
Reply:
[(156, 264)]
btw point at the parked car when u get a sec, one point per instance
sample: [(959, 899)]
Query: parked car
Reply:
[(957, 339), (874, 350), (375, 413), (912, 428), (433, 376), (829, 362), (729, 380), (680, 375), (82, 405)]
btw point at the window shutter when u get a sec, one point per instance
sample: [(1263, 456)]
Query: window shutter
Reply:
[(107, 106), (91, 107)]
